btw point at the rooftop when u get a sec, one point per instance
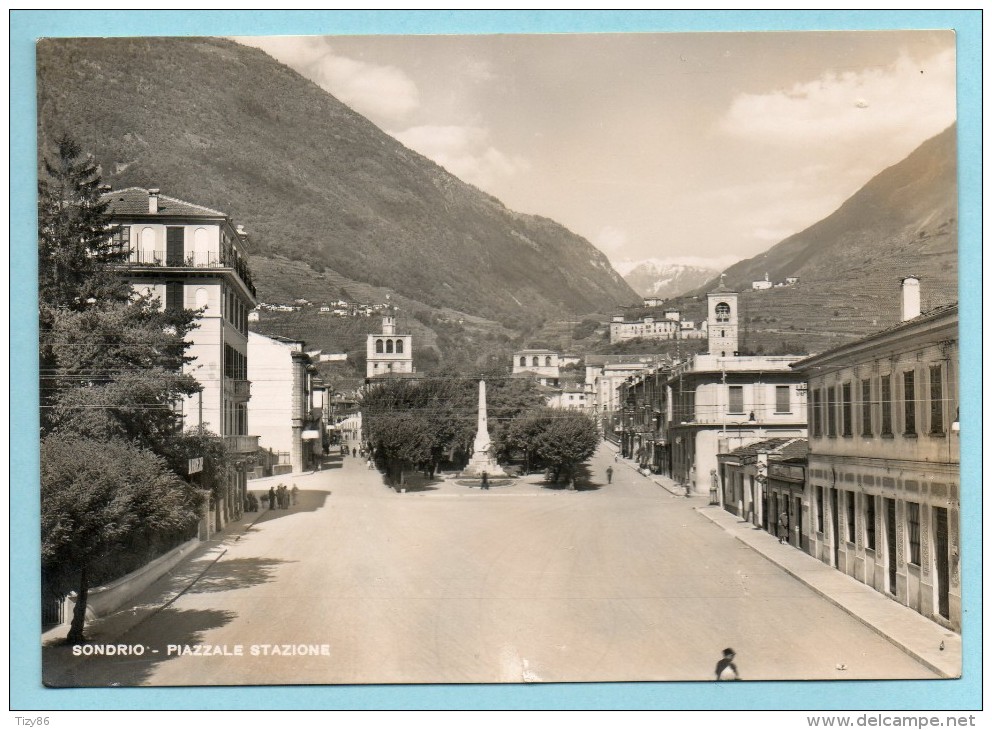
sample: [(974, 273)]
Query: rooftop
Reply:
[(134, 201)]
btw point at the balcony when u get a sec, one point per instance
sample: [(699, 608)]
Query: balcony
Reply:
[(239, 389), (140, 258), (241, 444)]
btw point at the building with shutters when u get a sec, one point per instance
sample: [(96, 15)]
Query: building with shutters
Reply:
[(193, 257), (883, 486)]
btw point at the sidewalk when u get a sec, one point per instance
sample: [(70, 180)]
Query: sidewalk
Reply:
[(166, 589), (915, 634)]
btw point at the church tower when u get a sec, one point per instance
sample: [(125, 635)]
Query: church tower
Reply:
[(721, 321), (388, 352)]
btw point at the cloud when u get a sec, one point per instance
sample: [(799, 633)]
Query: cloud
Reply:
[(611, 240), (466, 152), (385, 94), (909, 101)]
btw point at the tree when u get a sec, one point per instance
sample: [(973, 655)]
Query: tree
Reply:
[(218, 463), (75, 240), (99, 497), (115, 369), (563, 440)]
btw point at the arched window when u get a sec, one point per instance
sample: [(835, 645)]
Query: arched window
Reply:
[(378, 346), (523, 362), (399, 347), (535, 361), (722, 311), (389, 346), (201, 247), (147, 245), (547, 361)]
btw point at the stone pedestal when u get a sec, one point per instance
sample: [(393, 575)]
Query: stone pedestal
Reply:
[(482, 460)]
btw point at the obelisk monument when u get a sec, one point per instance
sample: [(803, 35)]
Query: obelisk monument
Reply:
[(482, 459)]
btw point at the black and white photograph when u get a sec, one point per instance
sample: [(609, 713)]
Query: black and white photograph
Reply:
[(499, 359)]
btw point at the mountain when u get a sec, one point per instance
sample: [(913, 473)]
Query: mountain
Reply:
[(667, 279), (901, 222), (226, 126)]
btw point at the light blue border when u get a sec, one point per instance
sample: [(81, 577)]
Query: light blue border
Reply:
[(25, 688)]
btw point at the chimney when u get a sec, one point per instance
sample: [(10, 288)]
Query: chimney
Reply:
[(153, 200), (910, 297)]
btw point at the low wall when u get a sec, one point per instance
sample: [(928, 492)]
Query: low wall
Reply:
[(103, 600)]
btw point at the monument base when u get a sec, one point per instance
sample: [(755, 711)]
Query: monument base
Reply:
[(477, 465)]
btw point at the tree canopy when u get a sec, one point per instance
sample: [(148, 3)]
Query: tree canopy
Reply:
[(100, 496)]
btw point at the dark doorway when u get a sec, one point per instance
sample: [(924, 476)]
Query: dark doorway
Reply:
[(174, 246), (797, 519), (890, 542), (835, 527), (941, 558)]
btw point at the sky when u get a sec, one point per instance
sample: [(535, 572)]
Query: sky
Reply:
[(698, 148)]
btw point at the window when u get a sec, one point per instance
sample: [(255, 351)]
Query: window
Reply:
[(849, 503), (722, 311), (121, 240), (846, 410), (936, 401), (534, 362), (389, 346), (909, 397), (816, 409), (831, 411), (886, 401), (783, 399), (547, 362), (866, 407), (175, 244), (147, 255), (174, 295), (523, 362), (870, 521), (378, 347), (913, 528), (736, 399), (399, 347), (819, 509)]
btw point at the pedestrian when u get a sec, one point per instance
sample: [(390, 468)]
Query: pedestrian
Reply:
[(726, 670), (354, 451), (272, 497), (783, 527), (295, 493), (609, 475), (616, 456), (369, 463), (485, 480)]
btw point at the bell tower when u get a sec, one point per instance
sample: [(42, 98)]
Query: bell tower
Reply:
[(721, 321)]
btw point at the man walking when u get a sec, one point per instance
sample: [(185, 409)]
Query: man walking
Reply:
[(609, 475), (485, 480)]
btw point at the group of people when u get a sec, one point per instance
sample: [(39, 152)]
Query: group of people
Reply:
[(282, 496)]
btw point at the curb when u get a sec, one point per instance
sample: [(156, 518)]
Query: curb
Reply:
[(902, 646)]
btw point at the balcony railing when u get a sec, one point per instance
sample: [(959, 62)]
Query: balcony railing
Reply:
[(237, 388), (241, 444), (191, 260)]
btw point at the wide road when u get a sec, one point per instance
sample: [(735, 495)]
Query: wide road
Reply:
[(620, 582)]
